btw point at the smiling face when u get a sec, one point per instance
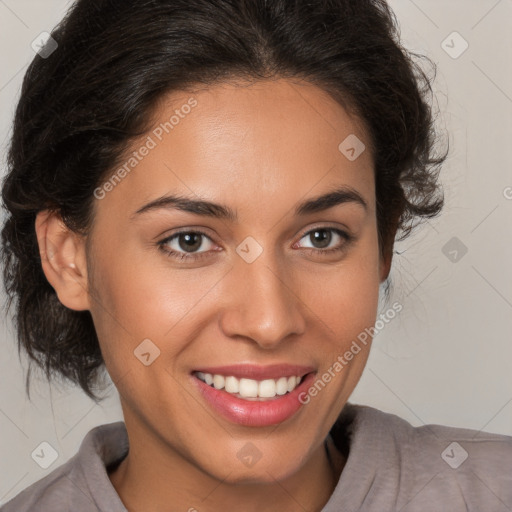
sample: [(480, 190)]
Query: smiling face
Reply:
[(270, 277)]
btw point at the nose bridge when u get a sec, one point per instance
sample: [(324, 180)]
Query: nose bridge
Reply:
[(263, 305)]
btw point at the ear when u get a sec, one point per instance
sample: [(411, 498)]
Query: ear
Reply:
[(389, 245), (63, 259), (385, 265)]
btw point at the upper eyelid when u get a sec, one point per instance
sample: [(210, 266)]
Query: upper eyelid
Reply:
[(184, 232), (327, 228)]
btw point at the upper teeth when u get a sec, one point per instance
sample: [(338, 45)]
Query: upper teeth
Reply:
[(249, 388)]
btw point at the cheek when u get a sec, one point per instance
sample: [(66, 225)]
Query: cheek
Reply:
[(141, 294), (346, 297), (138, 297)]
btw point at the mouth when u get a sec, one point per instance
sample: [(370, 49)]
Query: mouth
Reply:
[(251, 395), (251, 389)]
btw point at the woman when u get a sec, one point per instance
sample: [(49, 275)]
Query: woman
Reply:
[(172, 167)]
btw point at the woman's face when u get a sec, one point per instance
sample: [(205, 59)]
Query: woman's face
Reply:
[(268, 287)]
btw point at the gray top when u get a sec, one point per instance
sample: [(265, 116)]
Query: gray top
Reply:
[(391, 466)]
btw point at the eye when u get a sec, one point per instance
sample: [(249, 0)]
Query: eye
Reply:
[(187, 241), (322, 237), (185, 245)]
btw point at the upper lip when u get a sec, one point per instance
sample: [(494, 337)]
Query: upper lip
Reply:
[(257, 372)]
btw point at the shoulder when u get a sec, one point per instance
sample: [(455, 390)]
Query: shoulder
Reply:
[(453, 445), (429, 438), (419, 466), (81, 483)]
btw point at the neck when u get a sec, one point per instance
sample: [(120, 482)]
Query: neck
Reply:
[(146, 482)]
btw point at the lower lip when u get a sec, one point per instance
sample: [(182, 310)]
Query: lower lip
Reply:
[(254, 413)]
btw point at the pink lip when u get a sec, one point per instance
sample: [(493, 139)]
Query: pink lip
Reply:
[(254, 413), (251, 371)]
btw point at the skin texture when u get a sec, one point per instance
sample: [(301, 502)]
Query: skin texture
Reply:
[(259, 149)]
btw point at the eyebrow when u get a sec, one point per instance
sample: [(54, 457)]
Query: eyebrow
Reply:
[(341, 195)]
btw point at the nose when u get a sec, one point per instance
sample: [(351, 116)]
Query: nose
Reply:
[(263, 304)]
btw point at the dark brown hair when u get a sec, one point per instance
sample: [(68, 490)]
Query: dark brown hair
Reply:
[(82, 106)]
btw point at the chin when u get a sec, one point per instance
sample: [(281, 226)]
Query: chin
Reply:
[(234, 470)]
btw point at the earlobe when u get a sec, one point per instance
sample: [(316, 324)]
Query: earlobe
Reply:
[(385, 266), (63, 260)]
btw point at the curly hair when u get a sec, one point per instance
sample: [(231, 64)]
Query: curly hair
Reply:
[(81, 106)]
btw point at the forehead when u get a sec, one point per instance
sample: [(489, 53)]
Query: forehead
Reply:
[(257, 144)]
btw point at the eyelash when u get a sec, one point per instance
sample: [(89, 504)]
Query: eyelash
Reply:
[(197, 256)]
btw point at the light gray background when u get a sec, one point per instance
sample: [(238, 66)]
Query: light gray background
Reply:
[(447, 358)]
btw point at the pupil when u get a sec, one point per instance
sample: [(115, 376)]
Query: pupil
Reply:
[(324, 239), (192, 241)]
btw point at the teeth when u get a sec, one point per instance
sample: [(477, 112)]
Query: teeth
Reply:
[(249, 388), (267, 388), (206, 377), (232, 385), (218, 381), (282, 386)]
